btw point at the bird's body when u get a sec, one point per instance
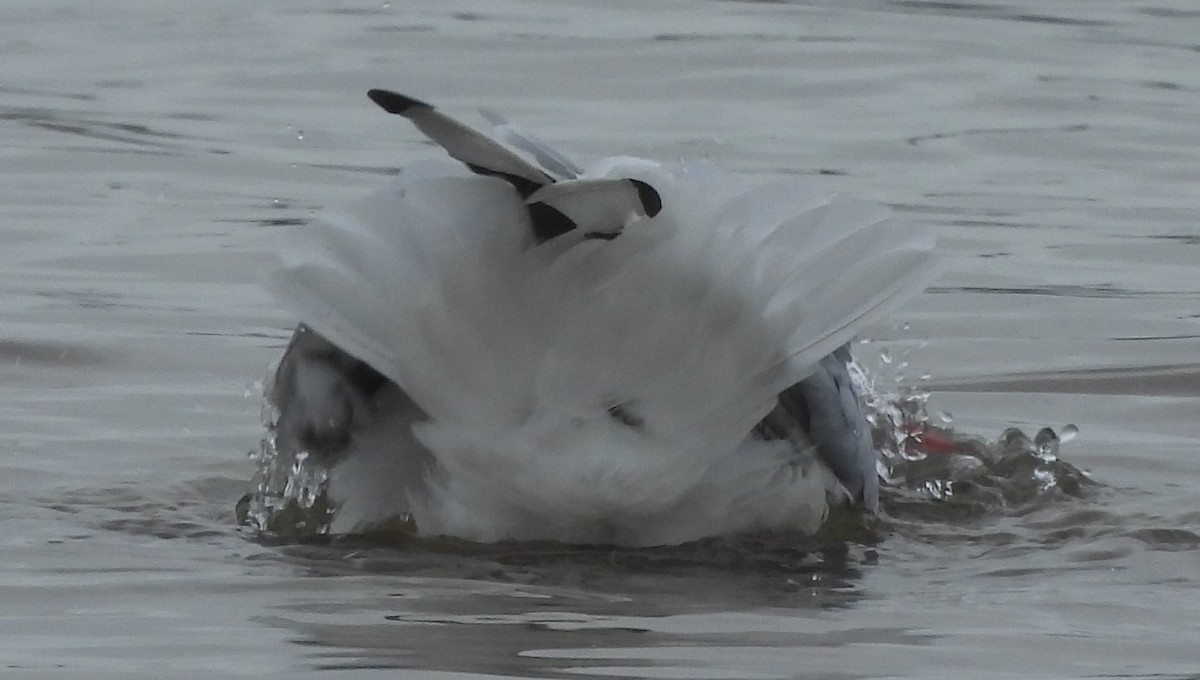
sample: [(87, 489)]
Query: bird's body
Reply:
[(636, 354)]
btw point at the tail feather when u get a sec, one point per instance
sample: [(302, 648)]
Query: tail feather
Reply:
[(405, 281), (427, 278)]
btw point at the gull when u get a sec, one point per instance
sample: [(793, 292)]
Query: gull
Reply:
[(505, 345)]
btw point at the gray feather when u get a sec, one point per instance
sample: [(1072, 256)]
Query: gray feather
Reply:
[(824, 411)]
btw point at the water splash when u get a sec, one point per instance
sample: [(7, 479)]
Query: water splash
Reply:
[(289, 497), (932, 471), (929, 470)]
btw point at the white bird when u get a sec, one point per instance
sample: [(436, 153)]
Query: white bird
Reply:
[(637, 353)]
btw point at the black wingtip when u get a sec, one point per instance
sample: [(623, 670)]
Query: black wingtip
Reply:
[(394, 102), (548, 222), (648, 195)]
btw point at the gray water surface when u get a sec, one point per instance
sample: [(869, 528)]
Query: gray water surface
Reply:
[(152, 150)]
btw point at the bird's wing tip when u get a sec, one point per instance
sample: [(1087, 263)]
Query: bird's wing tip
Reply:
[(394, 102), (650, 199)]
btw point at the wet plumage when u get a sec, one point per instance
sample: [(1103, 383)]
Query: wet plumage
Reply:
[(507, 346)]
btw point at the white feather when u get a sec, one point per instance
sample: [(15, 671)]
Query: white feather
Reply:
[(691, 322), (460, 141), (549, 158)]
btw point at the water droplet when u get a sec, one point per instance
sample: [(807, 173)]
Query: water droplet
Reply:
[(912, 453), (276, 203), (938, 489), (926, 376), (1046, 478), (1069, 432), (885, 356), (946, 417), (300, 135), (1046, 442)]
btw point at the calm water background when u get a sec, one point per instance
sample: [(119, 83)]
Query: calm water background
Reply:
[(150, 151)]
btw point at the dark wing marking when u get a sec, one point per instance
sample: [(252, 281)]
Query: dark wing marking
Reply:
[(547, 222), (600, 207), (477, 151)]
